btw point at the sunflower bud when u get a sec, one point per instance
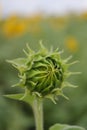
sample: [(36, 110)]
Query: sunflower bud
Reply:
[(42, 73)]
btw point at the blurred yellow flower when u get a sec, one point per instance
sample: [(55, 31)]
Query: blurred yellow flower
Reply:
[(71, 44), (12, 18), (14, 26), (34, 24), (84, 16)]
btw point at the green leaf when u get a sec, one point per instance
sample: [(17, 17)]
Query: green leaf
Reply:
[(32, 73), (75, 128), (65, 127), (18, 61), (22, 97), (19, 64)]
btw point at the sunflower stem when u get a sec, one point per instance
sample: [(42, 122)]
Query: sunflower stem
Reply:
[(38, 113)]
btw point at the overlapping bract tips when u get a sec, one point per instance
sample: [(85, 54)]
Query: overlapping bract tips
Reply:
[(43, 73)]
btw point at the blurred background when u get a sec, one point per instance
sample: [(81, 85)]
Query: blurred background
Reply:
[(57, 23)]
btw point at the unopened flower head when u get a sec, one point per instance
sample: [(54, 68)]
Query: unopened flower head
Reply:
[(43, 73)]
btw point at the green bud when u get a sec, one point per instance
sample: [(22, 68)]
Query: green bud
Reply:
[(42, 73)]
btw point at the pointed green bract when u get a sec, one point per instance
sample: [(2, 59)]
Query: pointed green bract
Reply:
[(43, 73), (22, 97)]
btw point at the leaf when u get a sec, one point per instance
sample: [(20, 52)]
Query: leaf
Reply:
[(29, 49), (65, 127), (39, 64), (67, 84), (43, 50), (75, 128), (19, 64), (21, 97), (18, 61), (14, 96), (32, 73), (58, 127), (67, 59)]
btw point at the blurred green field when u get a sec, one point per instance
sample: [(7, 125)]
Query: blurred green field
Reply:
[(67, 33)]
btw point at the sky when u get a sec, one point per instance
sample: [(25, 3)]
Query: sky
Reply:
[(29, 7)]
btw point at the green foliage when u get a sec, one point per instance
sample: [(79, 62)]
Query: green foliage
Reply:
[(65, 127), (11, 117), (27, 98)]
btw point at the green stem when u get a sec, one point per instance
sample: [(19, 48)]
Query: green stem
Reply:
[(38, 113)]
